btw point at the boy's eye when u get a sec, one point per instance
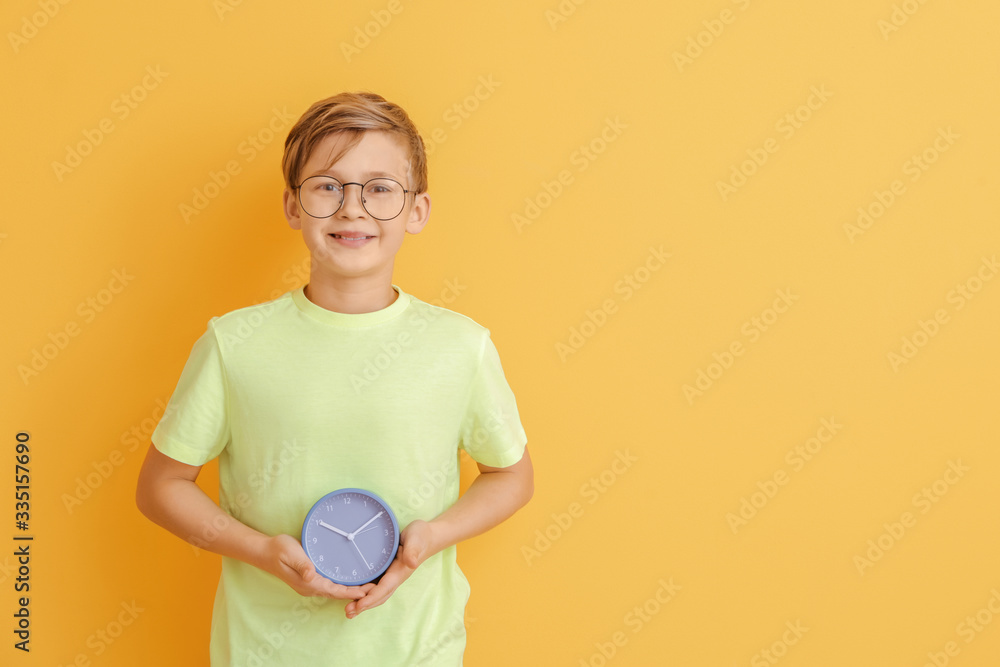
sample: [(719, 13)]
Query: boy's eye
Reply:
[(383, 187)]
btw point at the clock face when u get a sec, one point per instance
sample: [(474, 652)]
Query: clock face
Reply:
[(351, 536)]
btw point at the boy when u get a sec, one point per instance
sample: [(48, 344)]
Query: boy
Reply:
[(346, 382)]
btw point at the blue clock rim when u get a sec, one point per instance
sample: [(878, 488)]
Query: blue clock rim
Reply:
[(392, 516)]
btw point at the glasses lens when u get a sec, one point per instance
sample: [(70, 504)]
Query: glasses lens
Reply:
[(321, 196), (383, 198)]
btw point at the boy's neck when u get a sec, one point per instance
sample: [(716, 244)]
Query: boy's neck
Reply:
[(350, 300)]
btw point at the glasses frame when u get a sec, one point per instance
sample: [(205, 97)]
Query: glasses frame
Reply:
[(343, 189)]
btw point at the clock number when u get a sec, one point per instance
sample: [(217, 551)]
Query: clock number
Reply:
[(347, 501), (321, 558), (386, 531), (354, 572), (384, 553), (314, 540)]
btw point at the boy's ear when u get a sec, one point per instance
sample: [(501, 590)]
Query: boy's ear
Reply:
[(420, 213), (291, 207)]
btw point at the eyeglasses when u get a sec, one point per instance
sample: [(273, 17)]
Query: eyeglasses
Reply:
[(322, 196)]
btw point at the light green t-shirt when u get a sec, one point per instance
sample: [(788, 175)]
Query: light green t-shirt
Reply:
[(298, 401)]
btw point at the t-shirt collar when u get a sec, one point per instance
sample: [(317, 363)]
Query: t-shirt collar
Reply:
[(334, 318)]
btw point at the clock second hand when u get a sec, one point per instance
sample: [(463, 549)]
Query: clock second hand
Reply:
[(355, 533), (365, 525)]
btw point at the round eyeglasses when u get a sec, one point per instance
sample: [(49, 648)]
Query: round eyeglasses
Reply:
[(322, 196)]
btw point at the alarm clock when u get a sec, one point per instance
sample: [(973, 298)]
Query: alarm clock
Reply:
[(351, 536)]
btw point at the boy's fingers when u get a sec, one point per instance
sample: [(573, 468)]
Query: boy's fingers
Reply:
[(374, 598), (353, 592), (327, 588), (386, 586)]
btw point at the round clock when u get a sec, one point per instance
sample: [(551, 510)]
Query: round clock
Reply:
[(351, 536)]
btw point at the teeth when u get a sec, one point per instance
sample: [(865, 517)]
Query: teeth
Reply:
[(351, 238)]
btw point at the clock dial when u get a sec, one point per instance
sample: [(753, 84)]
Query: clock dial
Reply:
[(351, 536)]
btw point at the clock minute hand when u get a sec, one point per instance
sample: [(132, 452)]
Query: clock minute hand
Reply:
[(336, 530), (351, 536), (363, 559)]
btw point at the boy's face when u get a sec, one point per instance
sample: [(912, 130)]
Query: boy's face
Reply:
[(378, 154)]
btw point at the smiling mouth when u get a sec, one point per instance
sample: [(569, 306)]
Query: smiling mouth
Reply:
[(351, 238)]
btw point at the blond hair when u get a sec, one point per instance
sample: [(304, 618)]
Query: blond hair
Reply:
[(353, 114)]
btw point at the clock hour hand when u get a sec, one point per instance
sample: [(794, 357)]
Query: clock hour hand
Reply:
[(336, 530)]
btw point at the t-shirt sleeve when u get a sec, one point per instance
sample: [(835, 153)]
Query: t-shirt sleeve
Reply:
[(194, 428), (491, 429)]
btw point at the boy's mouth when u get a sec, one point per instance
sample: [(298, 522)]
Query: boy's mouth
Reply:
[(352, 237)]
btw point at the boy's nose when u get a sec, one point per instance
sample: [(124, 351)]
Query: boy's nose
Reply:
[(353, 203)]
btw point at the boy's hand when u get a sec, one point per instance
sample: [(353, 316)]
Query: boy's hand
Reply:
[(284, 557), (414, 548)]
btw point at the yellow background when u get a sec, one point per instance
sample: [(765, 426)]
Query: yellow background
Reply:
[(683, 127)]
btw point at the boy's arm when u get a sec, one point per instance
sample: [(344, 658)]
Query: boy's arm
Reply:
[(493, 497), (168, 496)]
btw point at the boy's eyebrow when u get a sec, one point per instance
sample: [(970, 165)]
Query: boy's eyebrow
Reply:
[(368, 174)]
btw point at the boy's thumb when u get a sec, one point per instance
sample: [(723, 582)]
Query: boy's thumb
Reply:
[(411, 555), (307, 571), (302, 566)]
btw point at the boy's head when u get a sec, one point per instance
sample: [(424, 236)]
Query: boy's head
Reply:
[(353, 114), (356, 183)]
